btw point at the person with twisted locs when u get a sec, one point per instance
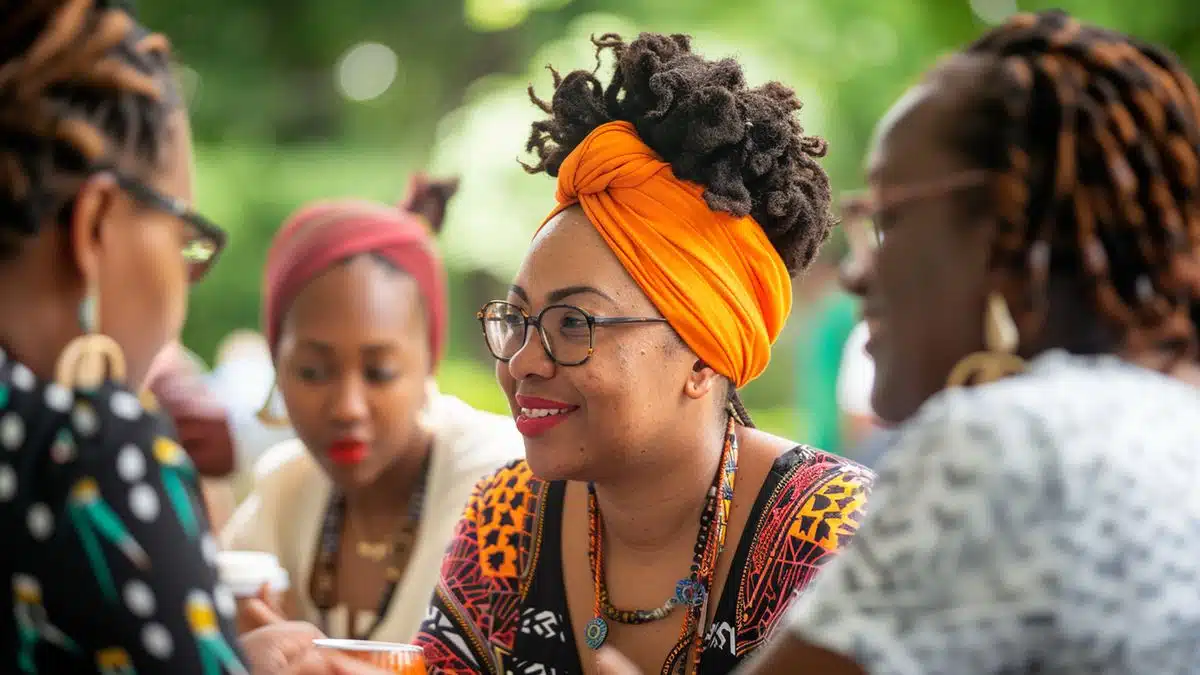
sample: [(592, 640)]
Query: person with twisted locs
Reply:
[(649, 513), (108, 558), (1034, 302)]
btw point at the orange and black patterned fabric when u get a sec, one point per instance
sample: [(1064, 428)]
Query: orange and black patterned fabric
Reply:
[(500, 606)]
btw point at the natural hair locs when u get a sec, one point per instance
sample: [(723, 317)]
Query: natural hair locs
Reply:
[(81, 85), (744, 145), (1098, 175)]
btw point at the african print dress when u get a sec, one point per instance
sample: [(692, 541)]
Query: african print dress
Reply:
[(501, 608), (107, 559)]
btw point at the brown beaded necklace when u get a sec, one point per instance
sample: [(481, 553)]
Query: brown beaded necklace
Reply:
[(691, 592), (325, 568)]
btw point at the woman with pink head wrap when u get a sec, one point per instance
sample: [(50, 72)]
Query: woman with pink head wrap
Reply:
[(360, 507)]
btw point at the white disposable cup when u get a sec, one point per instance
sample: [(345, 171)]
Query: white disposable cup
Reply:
[(245, 573)]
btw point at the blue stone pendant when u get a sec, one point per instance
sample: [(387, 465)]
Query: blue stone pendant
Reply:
[(596, 632), (690, 593)]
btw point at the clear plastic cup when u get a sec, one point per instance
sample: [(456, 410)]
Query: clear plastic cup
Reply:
[(392, 657)]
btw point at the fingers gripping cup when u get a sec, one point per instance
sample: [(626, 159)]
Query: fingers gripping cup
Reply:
[(248, 574), (390, 657)]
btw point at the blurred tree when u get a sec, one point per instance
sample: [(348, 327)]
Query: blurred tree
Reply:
[(274, 130), (276, 57)]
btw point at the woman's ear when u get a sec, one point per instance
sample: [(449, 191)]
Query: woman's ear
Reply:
[(93, 205), (700, 381)]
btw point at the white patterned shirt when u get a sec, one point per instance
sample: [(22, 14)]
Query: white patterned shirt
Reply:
[(1046, 523)]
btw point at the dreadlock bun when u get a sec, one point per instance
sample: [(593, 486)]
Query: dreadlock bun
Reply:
[(81, 85), (430, 198), (745, 146)]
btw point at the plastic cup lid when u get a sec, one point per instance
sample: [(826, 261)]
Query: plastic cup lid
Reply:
[(365, 646)]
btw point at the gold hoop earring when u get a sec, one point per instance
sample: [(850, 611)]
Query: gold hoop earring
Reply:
[(267, 415), (1000, 360), (92, 358)]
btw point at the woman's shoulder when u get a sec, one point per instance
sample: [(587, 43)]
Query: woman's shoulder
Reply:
[(1057, 394), (286, 480), (502, 520), (1053, 430), (511, 486), (803, 466), (285, 467), (475, 441), (814, 498), (808, 508)]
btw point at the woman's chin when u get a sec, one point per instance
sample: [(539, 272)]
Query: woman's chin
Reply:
[(551, 462), (350, 477), (895, 400)]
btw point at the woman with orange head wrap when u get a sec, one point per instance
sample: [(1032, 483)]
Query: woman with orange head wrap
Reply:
[(649, 512)]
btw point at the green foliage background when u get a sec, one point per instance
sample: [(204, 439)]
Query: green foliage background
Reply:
[(272, 130)]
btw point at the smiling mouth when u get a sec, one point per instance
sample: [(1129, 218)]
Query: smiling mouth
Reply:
[(536, 416), (535, 413)]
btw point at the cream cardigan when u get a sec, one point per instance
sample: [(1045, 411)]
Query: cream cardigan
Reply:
[(283, 513)]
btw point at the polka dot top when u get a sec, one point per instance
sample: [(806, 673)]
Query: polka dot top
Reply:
[(107, 560)]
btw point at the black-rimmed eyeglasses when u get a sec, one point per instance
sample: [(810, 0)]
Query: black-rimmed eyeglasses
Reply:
[(204, 241), (568, 333)]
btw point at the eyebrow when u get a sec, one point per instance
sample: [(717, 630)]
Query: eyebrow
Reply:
[(373, 348), (377, 348), (560, 294), (519, 292), (318, 346)]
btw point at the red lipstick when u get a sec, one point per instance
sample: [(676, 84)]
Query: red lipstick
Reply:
[(347, 451), (539, 415)]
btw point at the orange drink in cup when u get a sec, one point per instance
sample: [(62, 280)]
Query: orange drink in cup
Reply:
[(389, 656)]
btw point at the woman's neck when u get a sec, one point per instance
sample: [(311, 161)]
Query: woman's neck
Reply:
[(1073, 325), (381, 502), (37, 317), (654, 508), (1069, 322), (37, 337)]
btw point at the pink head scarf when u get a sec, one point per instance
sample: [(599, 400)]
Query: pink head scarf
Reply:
[(324, 233)]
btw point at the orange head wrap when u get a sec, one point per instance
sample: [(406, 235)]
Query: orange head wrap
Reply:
[(714, 276)]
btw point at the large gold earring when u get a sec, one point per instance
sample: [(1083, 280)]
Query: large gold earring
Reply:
[(1000, 360), (90, 359), (267, 415)]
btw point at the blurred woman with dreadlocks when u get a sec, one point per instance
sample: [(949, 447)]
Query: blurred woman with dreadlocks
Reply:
[(107, 552), (653, 291), (1038, 209)]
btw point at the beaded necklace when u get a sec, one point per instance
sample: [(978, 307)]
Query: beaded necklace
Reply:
[(325, 571), (691, 592)]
